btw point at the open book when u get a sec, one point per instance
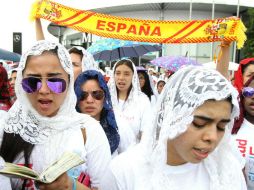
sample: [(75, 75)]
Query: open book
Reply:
[(67, 161)]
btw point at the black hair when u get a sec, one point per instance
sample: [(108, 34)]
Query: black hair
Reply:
[(147, 89), (244, 67), (160, 81), (128, 63), (12, 146), (13, 71), (76, 51)]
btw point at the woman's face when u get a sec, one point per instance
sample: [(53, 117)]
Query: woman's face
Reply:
[(202, 135), (90, 105), (248, 72), (160, 86), (123, 78), (46, 66), (77, 64), (248, 102), (12, 80), (142, 79)]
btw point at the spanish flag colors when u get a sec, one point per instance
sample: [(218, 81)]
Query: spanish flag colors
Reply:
[(194, 31)]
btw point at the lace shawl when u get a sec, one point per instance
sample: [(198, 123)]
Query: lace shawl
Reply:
[(134, 93), (88, 61), (186, 90), (107, 121), (24, 120)]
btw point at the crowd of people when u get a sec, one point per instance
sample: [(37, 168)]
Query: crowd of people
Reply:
[(191, 131)]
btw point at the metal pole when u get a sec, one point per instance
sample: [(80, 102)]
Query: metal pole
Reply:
[(162, 5), (212, 44), (59, 34), (234, 44), (190, 17)]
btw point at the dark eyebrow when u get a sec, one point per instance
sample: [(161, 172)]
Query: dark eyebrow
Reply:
[(48, 75), (54, 74), (210, 119)]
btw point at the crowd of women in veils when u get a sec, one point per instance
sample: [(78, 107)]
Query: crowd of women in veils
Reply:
[(191, 131)]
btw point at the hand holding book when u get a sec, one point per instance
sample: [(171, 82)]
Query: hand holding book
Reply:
[(66, 162)]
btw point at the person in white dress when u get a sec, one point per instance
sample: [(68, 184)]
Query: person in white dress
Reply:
[(43, 123), (243, 130), (130, 104), (146, 86), (188, 147), (82, 60), (160, 85)]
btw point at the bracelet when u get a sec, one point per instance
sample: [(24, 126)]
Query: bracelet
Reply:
[(74, 184)]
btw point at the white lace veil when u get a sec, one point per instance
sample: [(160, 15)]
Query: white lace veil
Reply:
[(24, 120), (135, 91), (186, 90), (88, 61)]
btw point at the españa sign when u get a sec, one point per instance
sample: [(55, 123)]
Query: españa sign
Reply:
[(194, 31)]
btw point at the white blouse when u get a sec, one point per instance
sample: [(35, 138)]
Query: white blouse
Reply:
[(95, 152), (133, 170), (137, 116)]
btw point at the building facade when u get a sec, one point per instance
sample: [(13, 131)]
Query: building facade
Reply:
[(169, 10)]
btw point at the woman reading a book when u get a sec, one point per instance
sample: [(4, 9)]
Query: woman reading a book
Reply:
[(43, 123)]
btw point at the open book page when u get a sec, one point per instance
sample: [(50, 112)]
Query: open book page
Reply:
[(66, 162), (14, 170)]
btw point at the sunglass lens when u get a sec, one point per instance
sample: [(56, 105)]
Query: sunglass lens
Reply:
[(84, 96), (57, 85), (31, 84), (98, 95), (248, 92)]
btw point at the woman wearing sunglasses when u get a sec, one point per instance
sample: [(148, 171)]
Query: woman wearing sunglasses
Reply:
[(129, 103), (244, 127), (43, 122), (189, 147), (93, 98)]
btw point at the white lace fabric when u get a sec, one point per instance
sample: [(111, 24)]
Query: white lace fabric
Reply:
[(134, 93), (88, 62), (24, 120), (186, 90)]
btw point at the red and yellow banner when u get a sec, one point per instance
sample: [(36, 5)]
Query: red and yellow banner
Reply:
[(194, 31)]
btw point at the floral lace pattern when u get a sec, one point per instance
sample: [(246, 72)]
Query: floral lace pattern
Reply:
[(194, 88), (186, 90), (24, 120)]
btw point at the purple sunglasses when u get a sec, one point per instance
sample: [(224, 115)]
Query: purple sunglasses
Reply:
[(248, 91), (33, 84)]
